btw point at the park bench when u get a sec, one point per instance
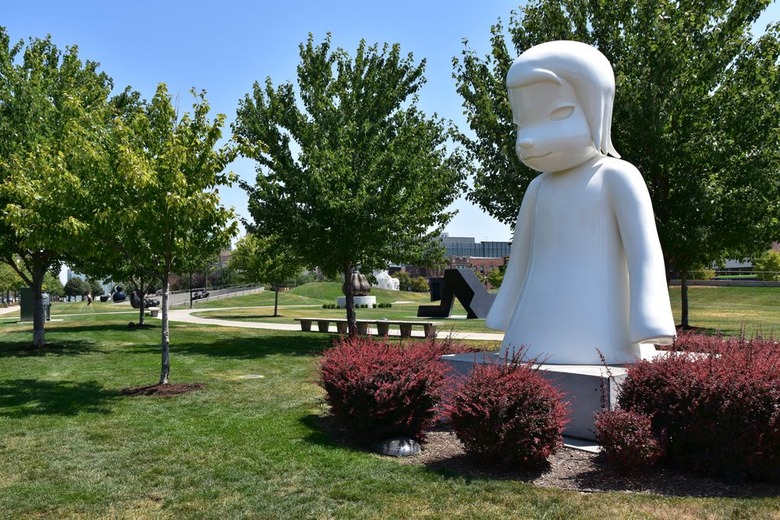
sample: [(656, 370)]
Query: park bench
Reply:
[(382, 326)]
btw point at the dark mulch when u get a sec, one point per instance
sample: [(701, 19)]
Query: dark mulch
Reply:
[(158, 390), (568, 468)]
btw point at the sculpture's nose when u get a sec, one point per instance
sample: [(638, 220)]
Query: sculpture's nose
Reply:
[(525, 143)]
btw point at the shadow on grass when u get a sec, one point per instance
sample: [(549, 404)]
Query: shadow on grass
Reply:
[(22, 347), (256, 347), (26, 397)]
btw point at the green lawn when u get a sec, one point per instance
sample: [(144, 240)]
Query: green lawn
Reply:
[(724, 309), (728, 310), (73, 446)]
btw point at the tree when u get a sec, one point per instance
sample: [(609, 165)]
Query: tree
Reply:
[(9, 281), (76, 287), (373, 176), (496, 276), (268, 260), (768, 265), (164, 178), (95, 287), (52, 113), (687, 73)]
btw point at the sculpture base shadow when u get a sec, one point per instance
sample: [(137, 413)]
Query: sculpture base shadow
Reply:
[(582, 386), (464, 285)]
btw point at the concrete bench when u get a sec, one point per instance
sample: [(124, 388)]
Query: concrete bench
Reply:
[(382, 326), (153, 311)]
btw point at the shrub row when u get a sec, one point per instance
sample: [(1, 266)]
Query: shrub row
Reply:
[(502, 412), (711, 405), (361, 306)]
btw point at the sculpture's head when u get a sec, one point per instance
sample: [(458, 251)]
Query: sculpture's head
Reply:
[(561, 94)]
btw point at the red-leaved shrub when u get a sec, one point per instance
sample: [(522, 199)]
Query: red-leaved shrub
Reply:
[(717, 411), (378, 390), (626, 439), (507, 412)]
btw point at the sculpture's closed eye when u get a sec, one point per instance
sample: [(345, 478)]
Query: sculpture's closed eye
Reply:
[(561, 113)]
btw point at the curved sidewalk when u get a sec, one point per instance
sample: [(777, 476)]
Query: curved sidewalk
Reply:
[(186, 316)]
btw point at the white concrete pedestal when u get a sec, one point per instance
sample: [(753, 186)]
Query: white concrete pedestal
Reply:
[(582, 386), (341, 301)]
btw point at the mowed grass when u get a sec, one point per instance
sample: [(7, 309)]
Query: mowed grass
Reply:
[(731, 310), (73, 446), (307, 301), (728, 310)]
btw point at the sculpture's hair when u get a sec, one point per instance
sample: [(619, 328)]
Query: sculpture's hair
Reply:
[(585, 69)]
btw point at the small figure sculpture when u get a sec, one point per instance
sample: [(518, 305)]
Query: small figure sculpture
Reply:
[(586, 272), (360, 284)]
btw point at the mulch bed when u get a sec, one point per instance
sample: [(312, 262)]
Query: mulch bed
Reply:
[(568, 468)]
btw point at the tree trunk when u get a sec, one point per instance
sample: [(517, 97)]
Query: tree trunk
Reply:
[(142, 295), (276, 301), (166, 342), (684, 301), (349, 293), (39, 319)]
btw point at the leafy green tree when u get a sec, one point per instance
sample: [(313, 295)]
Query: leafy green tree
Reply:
[(419, 284), (9, 280), (368, 178), (164, 175), (76, 287), (267, 260), (95, 287), (496, 277), (52, 113), (768, 265), (696, 110), (404, 280), (53, 285)]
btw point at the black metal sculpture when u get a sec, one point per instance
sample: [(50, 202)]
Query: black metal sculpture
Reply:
[(135, 301), (464, 285)]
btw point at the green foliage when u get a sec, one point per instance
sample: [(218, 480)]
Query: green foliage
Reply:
[(53, 109), (76, 287), (163, 182), (53, 285), (265, 259), (419, 284), (369, 177), (496, 277), (768, 265), (9, 279), (686, 76), (407, 283)]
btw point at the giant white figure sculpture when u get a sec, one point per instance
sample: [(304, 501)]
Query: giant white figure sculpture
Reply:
[(586, 270)]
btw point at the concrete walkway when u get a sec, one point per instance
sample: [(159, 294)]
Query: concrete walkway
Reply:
[(186, 316)]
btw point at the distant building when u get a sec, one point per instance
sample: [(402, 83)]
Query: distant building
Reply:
[(468, 246), (463, 253)]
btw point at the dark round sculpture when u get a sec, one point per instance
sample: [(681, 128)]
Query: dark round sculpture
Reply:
[(119, 294)]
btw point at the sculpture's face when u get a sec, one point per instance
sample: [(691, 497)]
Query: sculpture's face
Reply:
[(553, 134)]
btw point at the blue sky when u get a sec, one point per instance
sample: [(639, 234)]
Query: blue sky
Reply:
[(223, 47)]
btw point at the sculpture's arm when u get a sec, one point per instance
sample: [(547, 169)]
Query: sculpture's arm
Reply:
[(650, 312), (506, 301)]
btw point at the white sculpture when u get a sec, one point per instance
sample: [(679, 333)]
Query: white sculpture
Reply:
[(586, 270), (385, 281)]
